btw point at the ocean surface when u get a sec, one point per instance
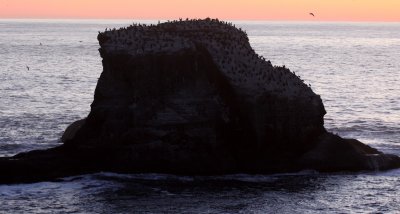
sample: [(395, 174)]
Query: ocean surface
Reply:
[(355, 67)]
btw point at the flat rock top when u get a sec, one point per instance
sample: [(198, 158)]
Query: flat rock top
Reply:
[(249, 73)]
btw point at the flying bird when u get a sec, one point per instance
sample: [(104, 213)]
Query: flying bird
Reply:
[(27, 67), (312, 14)]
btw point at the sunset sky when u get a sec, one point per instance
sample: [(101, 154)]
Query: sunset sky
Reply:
[(325, 10)]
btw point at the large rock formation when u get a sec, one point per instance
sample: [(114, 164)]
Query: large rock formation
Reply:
[(192, 97)]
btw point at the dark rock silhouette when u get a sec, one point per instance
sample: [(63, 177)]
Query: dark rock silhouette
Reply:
[(192, 97)]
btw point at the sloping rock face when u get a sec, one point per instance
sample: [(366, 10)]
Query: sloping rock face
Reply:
[(195, 96), (192, 97)]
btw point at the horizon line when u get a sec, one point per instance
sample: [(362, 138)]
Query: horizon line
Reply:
[(164, 19)]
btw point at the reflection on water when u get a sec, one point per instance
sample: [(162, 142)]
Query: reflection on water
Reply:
[(355, 67)]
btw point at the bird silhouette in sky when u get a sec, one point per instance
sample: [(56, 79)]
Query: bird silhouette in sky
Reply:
[(312, 14), (27, 67)]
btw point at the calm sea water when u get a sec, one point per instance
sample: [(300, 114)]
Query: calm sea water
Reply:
[(355, 67)]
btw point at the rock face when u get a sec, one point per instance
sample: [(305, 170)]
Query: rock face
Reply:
[(192, 97)]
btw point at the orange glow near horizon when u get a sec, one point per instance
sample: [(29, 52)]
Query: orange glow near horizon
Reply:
[(324, 10)]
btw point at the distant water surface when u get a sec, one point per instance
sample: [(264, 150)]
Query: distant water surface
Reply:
[(355, 67)]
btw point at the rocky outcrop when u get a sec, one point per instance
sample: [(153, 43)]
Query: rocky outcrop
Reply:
[(192, 97), (71, 130), (333, 153)]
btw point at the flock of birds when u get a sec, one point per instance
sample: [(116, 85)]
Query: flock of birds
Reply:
[(28, 68), (250, 73)]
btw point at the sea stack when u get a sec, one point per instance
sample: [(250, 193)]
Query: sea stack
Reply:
[(192, 97)]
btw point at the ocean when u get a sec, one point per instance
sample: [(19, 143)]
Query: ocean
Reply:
[(355, 67)]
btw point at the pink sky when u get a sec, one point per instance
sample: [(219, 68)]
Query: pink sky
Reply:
[(325, 10)]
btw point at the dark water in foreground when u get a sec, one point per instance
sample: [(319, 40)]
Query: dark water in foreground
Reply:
[(355, 67), (155, 193)]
